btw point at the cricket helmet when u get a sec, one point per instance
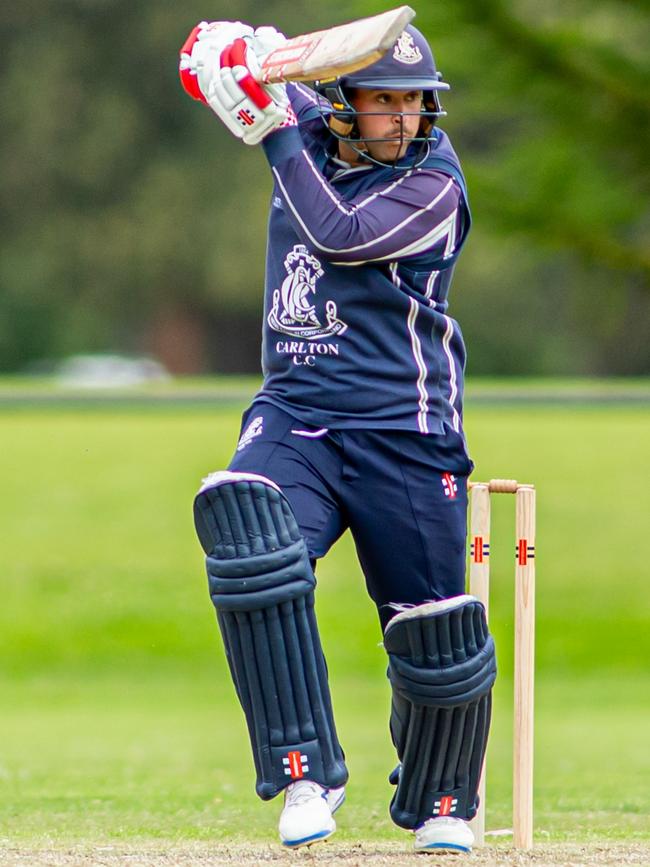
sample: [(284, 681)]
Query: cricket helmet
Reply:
[(408, 65)]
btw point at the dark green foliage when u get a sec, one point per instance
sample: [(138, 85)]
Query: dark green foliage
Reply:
[(127, 210)]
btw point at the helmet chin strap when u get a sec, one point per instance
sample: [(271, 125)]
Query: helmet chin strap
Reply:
[(408, 67), (364, 156), (340, 127), (343, 131)]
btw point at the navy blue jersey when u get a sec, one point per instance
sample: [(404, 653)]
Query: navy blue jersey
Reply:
[(359, 264)]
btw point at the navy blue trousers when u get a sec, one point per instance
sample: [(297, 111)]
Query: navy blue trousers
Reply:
[(403, 496)]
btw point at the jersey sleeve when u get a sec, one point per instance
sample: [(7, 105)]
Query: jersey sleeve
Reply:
[(406, 216), (305, 102)]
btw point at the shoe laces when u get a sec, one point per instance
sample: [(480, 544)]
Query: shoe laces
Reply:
[(299, 793)]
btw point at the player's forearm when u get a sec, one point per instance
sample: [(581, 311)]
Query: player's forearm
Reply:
[(404, 217)]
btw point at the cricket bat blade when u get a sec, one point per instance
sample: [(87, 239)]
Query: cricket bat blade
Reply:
[(336, 51)]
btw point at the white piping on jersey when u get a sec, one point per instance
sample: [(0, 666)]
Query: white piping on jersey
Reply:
[(451, 238), (416, 346), (394, 275), (453, 387), (383, 192), (347, 170), (445, 227), (416, 246), (428, 292), (310, 433), (350, 211), (326, 188), (338, 202), (306, 92)]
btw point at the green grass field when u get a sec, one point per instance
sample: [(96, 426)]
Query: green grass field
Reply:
[(119, 722)]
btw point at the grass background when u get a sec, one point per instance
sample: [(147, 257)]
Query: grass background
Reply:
[(119, 721)]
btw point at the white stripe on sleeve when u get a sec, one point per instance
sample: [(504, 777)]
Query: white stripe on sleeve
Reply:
[(416, 346), (446, 228), (453, 386)]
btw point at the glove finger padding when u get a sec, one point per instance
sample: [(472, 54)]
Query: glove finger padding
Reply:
[(229, 102), (186, 67), (240, 101), (200, 53), (266, 39), (237, 66)]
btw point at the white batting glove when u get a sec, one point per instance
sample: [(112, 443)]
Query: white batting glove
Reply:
[(200, 53), (265, 40), (249, 110)]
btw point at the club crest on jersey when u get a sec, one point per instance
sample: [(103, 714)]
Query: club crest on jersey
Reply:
[(254, 429), (406, 51), (294, 311)]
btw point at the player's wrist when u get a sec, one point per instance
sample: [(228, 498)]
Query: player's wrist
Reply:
[(282, 144)]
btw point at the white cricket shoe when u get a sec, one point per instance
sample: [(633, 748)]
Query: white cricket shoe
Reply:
[(444, 834), (307, 815)]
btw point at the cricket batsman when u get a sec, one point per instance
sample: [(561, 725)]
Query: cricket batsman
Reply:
[(357, 425)]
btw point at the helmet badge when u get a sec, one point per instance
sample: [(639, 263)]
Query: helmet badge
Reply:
[(406, 51)]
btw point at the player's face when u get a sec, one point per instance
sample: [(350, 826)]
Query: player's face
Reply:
[(387, 120)]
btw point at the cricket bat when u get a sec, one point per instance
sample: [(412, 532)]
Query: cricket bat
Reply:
[(336, 51)]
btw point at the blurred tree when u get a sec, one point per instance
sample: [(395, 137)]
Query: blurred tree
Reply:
[(550, 112), (131, 221)]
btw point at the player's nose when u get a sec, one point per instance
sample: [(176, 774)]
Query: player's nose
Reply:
[(399, 107)]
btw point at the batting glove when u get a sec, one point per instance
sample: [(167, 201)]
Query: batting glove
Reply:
[(200, 53), (265, 40), (249, 110)]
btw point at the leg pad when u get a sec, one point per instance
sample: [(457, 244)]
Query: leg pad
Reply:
[(262, 586), (441, 668)]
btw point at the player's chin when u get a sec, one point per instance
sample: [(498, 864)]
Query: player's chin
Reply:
[(393, 150)]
